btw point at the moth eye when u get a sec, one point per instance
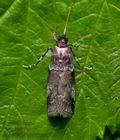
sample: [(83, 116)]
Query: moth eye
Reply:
[(58, 38)]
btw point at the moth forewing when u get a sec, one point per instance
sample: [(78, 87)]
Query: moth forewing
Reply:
[(61, 81)]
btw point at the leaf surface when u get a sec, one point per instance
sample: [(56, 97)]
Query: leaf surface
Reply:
[(25, 32)]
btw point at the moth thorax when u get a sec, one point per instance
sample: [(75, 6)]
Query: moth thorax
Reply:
[(62, 51), (62, 41)]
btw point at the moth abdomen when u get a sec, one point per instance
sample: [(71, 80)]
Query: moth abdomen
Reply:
[(61, 94), (60, 108)]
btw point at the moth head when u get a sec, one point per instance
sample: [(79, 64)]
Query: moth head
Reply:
[(62, 41)]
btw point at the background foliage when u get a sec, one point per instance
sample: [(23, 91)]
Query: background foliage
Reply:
[(25, 32)]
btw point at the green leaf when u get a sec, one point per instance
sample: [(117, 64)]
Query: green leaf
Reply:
[(25, 32)]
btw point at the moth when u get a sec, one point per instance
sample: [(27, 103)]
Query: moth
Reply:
[(61, 77), (61, 81)]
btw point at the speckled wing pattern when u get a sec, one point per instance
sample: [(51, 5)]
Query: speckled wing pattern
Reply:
[(61, 93)]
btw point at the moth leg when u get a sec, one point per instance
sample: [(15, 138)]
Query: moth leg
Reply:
[(39, 60), (75, 57), (88, 68), (74, 46), (85, 67), (79, 43)]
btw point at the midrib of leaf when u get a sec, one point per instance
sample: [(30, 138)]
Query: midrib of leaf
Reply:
[(83, 75), (89, 51), (12, 103), (25, 43), (115, 33), (22, 120), (116, 42)]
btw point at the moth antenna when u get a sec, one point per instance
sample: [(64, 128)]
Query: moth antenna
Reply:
[(54, 36), (67, 21)]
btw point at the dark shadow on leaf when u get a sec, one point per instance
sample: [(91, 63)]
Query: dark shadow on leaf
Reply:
[(109, 136), (97, 138), (59, 121), (5, 6)]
